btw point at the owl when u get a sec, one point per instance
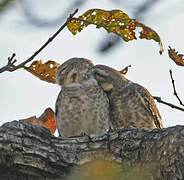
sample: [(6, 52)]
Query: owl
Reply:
[(81, 106), (130, 104)]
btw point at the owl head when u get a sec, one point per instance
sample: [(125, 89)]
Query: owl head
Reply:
[(109, 78), (74, 70)]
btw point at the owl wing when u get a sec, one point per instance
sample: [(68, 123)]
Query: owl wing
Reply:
[(70, 107), (149, 104), (57, 103), (57, 110)]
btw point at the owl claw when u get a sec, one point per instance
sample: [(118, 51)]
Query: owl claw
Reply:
[(110, 129), (108, 141), (83, 134)]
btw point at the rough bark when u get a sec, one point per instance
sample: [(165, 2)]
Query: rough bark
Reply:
[(29, 151)]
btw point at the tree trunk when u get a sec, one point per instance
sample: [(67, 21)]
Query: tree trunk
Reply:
[(29, 151)]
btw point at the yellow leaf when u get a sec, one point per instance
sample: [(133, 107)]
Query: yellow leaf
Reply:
[(46, 71), (114, 21)]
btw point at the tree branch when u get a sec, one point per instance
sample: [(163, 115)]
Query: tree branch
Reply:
[(174, 88), (11, 67), (29, 151), (158, 99)]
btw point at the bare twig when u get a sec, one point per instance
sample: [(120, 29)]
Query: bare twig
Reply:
[(10, 64), (11, 67), (166, 103), (174, 88)]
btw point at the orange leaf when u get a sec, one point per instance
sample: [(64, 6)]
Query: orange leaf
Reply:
[(177, 58), (44, 71), (47, 119), (125, 70), (51, 121)]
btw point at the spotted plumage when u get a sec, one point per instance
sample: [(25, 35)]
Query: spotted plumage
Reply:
[(82, 106), (130, 103)]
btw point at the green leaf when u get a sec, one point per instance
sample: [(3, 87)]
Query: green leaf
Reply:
[(114, 21)]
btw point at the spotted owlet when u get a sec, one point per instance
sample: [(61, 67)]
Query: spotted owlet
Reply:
[(130, 103), (82, 106)]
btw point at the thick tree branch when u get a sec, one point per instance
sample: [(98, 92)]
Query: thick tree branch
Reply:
[(168, 104), (174, 88), (11, 67), (29, 151)]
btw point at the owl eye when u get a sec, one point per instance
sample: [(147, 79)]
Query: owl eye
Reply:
[(62, 70), (101, 74), (99, 77)]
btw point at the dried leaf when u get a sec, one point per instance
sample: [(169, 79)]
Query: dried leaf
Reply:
[(44, 71), (47, 119), (125, 70), (50, 122), (114, 21), (177, 58)]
